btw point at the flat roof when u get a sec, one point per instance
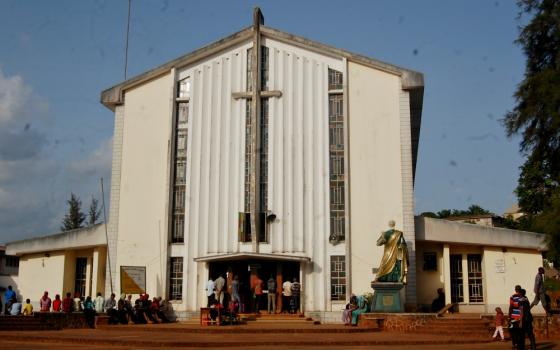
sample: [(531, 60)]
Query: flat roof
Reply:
[(445, 231), (81, 238), (245, 256)]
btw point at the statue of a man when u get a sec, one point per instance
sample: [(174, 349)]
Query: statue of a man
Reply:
[(394, 264)]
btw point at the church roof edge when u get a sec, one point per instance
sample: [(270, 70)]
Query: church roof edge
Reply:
[(114, 95)]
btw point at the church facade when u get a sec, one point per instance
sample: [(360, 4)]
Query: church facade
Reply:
[(286, 160)]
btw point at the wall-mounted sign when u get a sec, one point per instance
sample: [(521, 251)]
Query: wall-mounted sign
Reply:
[(500, 265), (133, 279)]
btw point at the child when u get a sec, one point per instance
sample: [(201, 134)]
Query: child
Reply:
[(499, 324), (28, 308)]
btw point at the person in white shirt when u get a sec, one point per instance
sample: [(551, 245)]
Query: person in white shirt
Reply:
[(99, 303), (210, 287), (220, 284), (286, 295)]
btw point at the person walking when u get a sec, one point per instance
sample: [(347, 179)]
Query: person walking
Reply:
[(220, 284), (45, 302), (258, 292), (271, 287), (526, 324), (499, 324), (235, 289), (296, 291), (514, 314), (210, 287), (539, 290), (286, 295)]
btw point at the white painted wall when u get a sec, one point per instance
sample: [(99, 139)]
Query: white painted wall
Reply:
[(144, 179), (39, 273), (376, 191)]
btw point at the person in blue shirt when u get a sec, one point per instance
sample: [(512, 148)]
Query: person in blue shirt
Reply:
[(8, 297)]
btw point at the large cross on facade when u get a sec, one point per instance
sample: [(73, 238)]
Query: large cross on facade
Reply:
[(255, 94)]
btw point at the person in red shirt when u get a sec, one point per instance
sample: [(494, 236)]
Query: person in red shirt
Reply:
[(499, 324), (258, 294), (67, 303), (45, 302), (56, 303)]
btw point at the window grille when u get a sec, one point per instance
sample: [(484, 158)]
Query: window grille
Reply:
[(338, 277), (335, 80), (80, 277), (176, 279), (336, 158), (12, 261), (474, 262), (180, 156), (456, 262)]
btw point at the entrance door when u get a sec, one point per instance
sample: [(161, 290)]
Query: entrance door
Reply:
[(248, 271), (80, 279), (456, 263)]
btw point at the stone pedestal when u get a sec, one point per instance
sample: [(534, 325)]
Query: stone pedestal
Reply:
[(387, 297)]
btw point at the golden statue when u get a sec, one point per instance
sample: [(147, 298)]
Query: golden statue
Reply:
[(394, 264)]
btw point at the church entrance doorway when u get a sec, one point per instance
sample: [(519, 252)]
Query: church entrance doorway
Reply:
[(249, 272)]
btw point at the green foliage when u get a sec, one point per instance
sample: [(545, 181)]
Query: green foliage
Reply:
[(552, 284), (536, 117), (74, 218), (446, 213), (94, 212)]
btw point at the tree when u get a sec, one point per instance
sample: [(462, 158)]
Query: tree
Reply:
[(94, 212), (474, 209), (536, 118), (74, 218)]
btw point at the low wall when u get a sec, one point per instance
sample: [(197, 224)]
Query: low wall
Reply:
[(539, 325), (396, 322), (62, 320)]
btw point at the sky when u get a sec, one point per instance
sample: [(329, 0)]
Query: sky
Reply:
[(57, 56)]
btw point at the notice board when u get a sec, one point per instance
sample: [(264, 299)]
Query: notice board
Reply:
[(133, 279)]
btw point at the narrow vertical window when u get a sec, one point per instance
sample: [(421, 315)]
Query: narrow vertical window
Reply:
[(456, 263), (474, 263), (245, 226), (176, 279), (180, 156), (80, 276), (338, 277), (336, 157)]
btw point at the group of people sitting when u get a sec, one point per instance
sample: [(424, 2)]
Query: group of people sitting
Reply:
[(123, 311)]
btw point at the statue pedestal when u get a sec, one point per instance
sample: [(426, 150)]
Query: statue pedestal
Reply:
[(387, 297)]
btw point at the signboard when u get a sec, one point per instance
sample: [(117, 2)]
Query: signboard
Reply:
[(133, 279), (500, 265)]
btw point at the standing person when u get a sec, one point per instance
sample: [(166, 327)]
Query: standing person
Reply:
[(286, 295), (540, 292), (89, 312), (8, 296), (258, 292), (220, 284), (210, 287), (99, 303), (271, 284), (45, 302), (235, 289), (296, 291), (67, 303), (526, 324), (514, 314), (499, 324), (28, 308), (56, 303)]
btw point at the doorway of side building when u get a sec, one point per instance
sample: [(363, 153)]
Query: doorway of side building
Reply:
[(248, 271)]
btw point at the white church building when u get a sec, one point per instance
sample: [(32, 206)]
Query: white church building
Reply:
[(269, 154)]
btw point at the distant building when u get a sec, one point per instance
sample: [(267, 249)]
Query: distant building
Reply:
[(514, 212), (490, 220)]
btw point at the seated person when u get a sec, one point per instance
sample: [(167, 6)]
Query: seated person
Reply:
[(122, 313), (16, 307), (362, 308), (215, 311), (161, 311), (139, 311), (347, 313), (28, 308), (439, 302), (153, 310)]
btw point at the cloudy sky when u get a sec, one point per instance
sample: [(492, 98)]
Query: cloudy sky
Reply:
[(56, 57)]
